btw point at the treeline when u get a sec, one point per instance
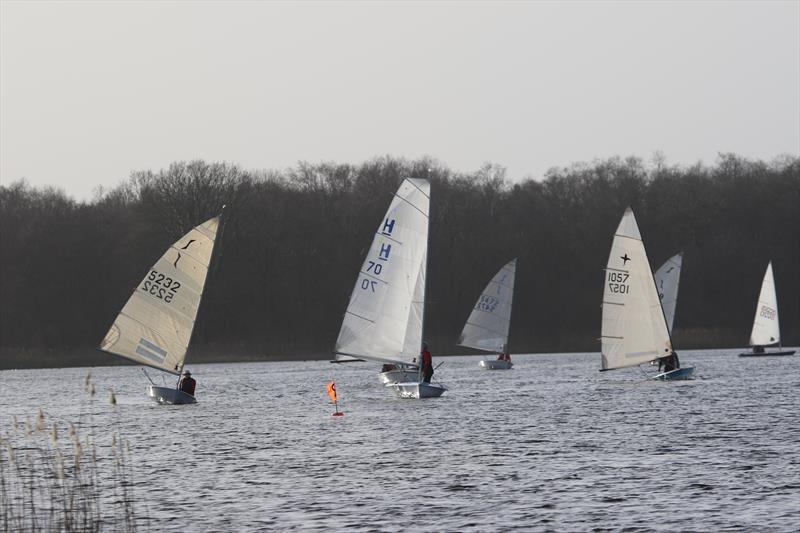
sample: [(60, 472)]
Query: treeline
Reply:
[(294, 241)]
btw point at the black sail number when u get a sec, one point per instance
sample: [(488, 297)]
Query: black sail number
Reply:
[(161, 286), (618, 282)]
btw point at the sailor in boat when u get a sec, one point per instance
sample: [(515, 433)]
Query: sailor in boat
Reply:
[(427, 363), (388, 367), (187, 383), (504, 355), (670, 363), (758, 349)]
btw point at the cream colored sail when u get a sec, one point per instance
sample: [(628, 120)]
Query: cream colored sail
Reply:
[(155, 326), (487, 325), (634, 330), (668, 278), (766, 329), (383, 321)]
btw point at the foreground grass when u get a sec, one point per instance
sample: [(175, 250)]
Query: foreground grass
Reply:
[(52, 478)]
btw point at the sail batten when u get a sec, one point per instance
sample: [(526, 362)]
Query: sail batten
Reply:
[(383, 321), (155, 325), (766, 327), (491, 313), (634, 329)]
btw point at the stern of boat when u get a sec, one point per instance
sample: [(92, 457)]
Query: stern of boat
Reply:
[(169, 396), (419, 390)]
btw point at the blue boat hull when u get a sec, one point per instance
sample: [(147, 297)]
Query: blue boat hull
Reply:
[(676, 375)]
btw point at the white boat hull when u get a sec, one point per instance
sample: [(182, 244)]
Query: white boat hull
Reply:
[(169, 396), (419, 390), (495, 364), (401, 375)]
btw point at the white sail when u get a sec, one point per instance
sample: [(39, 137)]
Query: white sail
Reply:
[(383, 321), (487, 325), (634, 330), (766, 329), (155, 326), (668, 278)]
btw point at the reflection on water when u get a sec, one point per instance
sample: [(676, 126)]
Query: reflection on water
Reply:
[(550, 445)]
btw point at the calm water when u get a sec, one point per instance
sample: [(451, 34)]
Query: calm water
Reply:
[(551, 445)]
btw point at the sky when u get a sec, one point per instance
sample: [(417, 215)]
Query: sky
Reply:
[(92, 91)]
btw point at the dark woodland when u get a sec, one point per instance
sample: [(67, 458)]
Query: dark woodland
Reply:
[(294, 241)]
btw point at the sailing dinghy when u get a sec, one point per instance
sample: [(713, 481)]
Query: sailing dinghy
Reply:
[(155, 326), (634, 329), (487, 326), (766, 328), (385, 315)]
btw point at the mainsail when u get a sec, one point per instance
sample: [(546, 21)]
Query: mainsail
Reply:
[(766, 329), (384, 318), (487, 325), (667, 279), (634, 330), (155, 326)]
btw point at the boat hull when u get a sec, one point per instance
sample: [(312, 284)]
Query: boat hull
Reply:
[(169, 396), (401, 375), (767, 354), (418, 390), (684, 373), (495, 364)]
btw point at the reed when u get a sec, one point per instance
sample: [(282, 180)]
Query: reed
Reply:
[(48, 483)]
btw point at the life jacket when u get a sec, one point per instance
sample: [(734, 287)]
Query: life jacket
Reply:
[(426, 360)]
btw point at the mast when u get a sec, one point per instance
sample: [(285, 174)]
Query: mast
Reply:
[(425, 290), (211, 268)]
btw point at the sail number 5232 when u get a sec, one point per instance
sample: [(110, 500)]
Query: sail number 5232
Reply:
[(617, 282), (160, 286)]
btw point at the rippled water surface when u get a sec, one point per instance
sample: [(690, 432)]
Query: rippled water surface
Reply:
[(550, 445)]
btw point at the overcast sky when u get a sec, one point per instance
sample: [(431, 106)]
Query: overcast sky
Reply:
[(94, 90)]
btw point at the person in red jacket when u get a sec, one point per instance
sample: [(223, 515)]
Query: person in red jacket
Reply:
[(187, 383), (427, 363)]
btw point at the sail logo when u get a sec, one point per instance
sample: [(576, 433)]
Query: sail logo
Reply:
[(388, 226), (151, 351), (768, 312)]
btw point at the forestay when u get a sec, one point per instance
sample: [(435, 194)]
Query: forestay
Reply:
[(155, 326), (487, 325), (384, 318), (667, 279), (634, 330), (766, 329)]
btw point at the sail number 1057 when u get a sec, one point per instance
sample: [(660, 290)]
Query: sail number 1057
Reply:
[(618, 282)]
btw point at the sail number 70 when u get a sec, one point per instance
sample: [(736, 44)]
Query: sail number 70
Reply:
[(368, 284), (617, 282)]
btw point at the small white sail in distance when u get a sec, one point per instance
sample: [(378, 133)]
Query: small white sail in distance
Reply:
[(155, 325), (668, 278), (384, 317), (766, 329), (487, 326), (634, 330)]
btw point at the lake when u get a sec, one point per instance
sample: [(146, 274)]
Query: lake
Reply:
[(552, 445)]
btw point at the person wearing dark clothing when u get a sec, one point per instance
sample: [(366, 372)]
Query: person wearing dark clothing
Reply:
[(669, 363), (427, 364), (758, 349), (187, 383)]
